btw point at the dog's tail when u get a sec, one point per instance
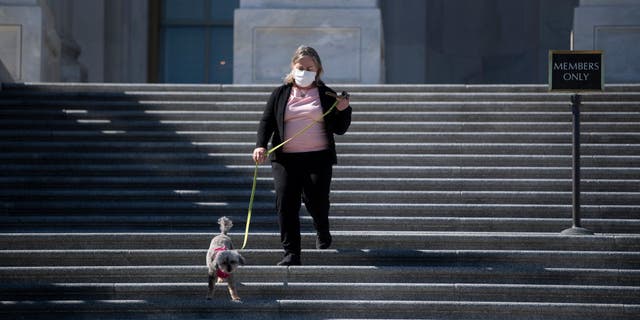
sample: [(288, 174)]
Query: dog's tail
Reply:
[(225, 224)]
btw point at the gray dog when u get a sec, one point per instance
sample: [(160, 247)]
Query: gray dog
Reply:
[(223, 260)]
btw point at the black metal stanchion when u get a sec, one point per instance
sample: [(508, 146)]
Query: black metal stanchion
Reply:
[(577, 228)]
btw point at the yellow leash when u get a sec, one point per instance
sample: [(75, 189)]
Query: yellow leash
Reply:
[(255, 171)]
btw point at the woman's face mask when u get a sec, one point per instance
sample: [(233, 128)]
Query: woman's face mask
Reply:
[(304, 78)]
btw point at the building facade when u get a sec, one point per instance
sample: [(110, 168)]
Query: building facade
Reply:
[(360, 41)]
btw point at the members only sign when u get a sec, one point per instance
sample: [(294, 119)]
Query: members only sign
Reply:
[(576, 70)]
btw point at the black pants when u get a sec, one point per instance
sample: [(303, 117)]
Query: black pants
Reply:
[(307, 177)]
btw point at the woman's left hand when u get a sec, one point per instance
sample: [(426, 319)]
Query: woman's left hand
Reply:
[(343, 102)]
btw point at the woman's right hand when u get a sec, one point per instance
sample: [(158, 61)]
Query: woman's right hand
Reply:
[(259, 155)]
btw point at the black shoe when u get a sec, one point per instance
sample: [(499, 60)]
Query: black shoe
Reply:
[(323, 241), (290, 259)]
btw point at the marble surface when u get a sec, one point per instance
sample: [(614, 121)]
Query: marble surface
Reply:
[(11, 50), (349, 42), (290, 4), (613, 27), (30, 46)]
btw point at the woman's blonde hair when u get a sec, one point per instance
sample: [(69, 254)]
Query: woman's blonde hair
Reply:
[(304, 51)]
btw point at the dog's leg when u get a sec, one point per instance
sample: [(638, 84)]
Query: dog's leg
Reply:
[(231, 284), (211, 273), (212, 285)]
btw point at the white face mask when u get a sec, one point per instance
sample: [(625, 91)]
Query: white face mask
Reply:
[(304, 78)]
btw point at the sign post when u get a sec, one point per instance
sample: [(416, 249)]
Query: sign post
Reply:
[(576, 71)]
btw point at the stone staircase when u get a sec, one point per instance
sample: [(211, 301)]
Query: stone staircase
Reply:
[(447, 203)]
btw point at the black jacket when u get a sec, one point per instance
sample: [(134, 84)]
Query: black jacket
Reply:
[(272, 122)]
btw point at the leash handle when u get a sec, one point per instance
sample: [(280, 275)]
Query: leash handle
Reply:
[(344, 94), (253, 192), (255, 171)]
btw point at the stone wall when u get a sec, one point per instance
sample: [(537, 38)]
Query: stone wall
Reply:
[(346, 34), (74, 40), (30, 48), (473, 42), (612, 26), (360, 41)]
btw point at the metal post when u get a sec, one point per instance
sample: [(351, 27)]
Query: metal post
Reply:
[(577, 228)]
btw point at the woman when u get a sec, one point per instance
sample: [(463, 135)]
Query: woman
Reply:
[(302, 168)]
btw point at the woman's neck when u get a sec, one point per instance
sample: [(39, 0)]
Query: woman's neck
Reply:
[(305, 88)]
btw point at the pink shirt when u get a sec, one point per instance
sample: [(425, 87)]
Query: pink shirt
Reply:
[(302, 109)]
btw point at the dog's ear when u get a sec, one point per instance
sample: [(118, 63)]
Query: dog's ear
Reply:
[(241, 259)]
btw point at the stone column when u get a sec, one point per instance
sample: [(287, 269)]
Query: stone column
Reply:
[(346, 34), (614, 27), (29, 43), (71, 70), (126, 32), (89, 34)]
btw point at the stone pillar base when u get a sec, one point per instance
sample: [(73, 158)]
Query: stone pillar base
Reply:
[(29, 45), (611, 26), (348, 40)]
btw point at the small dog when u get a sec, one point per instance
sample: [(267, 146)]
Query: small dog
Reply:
[(223, 260)]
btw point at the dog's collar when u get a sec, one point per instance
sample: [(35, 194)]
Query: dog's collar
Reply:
[(219, 272), (222, 274)]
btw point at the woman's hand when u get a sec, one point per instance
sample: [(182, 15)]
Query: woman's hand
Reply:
[(343, 102), (343, 99), (259, 155)]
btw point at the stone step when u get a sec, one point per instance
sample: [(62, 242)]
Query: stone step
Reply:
[(263, 95), (70, 103), (358, 257), (432, 126), (348, 159), (488, 210), (26, 105), (587, 128), (225, 198), (317, 309), (268, 223), (354, 239), (119, 87), (144, 119), (346, 223), (197, 173), (327, 273), (380, 148), (201, 188), (521, 204), (110, 134), (328, 290), (531, 210)]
